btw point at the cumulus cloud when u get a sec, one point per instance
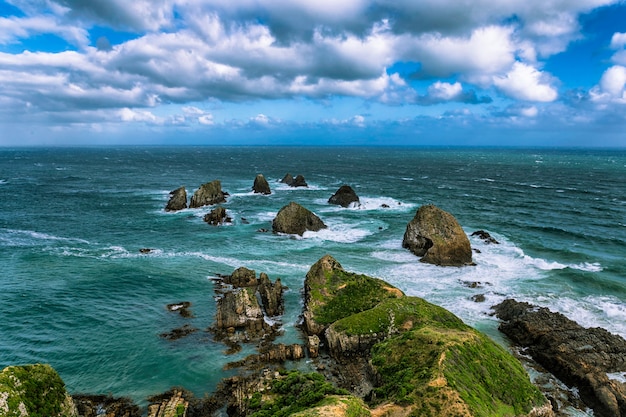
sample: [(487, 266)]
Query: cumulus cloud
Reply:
[(612, 86), (526, 83)]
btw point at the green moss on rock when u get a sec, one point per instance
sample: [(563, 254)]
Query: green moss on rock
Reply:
[(34, 391)]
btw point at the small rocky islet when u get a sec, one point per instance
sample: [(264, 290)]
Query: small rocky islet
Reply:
[(374, 350)]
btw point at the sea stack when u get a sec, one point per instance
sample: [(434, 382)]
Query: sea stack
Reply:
[(344, 196), (294, 219), (178, 200), (208, 194), (437, 237), (261, 185)]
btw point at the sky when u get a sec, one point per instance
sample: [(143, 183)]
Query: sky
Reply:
[(302, 72)]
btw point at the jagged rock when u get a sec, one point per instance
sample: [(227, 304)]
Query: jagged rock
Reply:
[(241, 277), (182, 308), (287, 179), (299, 181), (208, 194), (105, 406), (170, 404), (313, 345), (295, 219), (271, 295), (344, 196), (486, 237), (239, 309), (261, 186), (437, 237), (179, 332), (36, 390), (178, 200), (217, 216), (580, 357)]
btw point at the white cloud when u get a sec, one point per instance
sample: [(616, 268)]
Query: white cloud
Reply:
[(530, 111), (130, 115), (445, 91), (618, 40), (612, 86), (526, 83), (206, 119)]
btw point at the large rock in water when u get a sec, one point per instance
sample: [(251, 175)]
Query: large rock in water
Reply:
[(437, 237), (294, 219), (580, 357), (344, 196), (261, 186), (410, 356), (34, 390), (178, 200), (208, 194)]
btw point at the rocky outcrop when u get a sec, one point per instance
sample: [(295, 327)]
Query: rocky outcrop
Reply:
[(261, 186), (182, 308), (240, 317), (298, 181), (485, 237), (208, 194), (105, 406), (294, 219), (405, 352), (437, 237), (217, 217), (344, 196), (34, 390), (580, 357), (178, 200), (169, 404)]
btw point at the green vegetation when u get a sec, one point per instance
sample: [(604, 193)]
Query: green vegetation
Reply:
[(33, 390), (347, 406), (293, 393)]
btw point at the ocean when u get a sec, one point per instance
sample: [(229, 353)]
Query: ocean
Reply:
[(77, 293)]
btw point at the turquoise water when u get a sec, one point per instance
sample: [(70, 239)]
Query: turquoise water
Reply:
[(76, 292)]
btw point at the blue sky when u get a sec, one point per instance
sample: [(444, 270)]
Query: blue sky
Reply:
[(353, 72)]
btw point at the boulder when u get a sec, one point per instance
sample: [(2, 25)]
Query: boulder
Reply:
[(344, 196), (437, 237), (299, 181), (217, 216), (486, 237), (34, 390), (208, 194), (178, 200), (241, 277), (294, 219), (261, 186), (287, 179), (580, 357)]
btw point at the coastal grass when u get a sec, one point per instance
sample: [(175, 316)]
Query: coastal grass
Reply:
[(33, 390)]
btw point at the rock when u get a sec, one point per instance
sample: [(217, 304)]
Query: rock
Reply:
[(437, 237), (217, 216), (299, 181), (580, 357), (261, 186), (344, 196), (179, 332), (145, 250), (182, 308), (485, 236), (313, 346), (178, 200), (287, 179), (34, 390), (478, 298), (169, 404), (295, 219), (241, 277), (271, 295), (208, 194), (105, 406)]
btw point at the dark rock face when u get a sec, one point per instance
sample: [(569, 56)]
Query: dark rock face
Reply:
[(95, 405), (298, 181), (178, 200), (287, 179), (580, 357), (208, 194), (271, 295), (182, 308), (485, 236), (179, 332), (217, 216), (437, 237), (261, 186), (294, 219), (344, 196)]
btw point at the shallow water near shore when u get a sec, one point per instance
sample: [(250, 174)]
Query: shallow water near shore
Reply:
[(77, 293)]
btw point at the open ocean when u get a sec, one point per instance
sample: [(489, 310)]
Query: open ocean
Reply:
[(76, 292)]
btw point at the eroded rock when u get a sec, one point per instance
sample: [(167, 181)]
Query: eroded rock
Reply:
[(178, 200), (295, 219), (208, 194), (344, 197), (261, 186), (217, 217)]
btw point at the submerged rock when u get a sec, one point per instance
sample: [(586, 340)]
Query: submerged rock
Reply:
[(105, 406), (437, 237), (261, 186), (294, 219), (178, 200), (344, 196), (580, 357), (485, 236), (208, 194)]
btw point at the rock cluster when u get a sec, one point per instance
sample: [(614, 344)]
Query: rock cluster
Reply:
[(240, 317), (580, 357), (178, 200), (298, 181), (437, 237), (217, 216), (294, 219), (344, 196), (261, 186), (485, 237), (169, 404)]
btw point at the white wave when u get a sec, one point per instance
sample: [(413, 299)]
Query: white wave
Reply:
[(2, 182), (369, 204), (338, 233), (549, 266), (279, 186), (25, 237), (407, 179), (617, 376), (394, 256)]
